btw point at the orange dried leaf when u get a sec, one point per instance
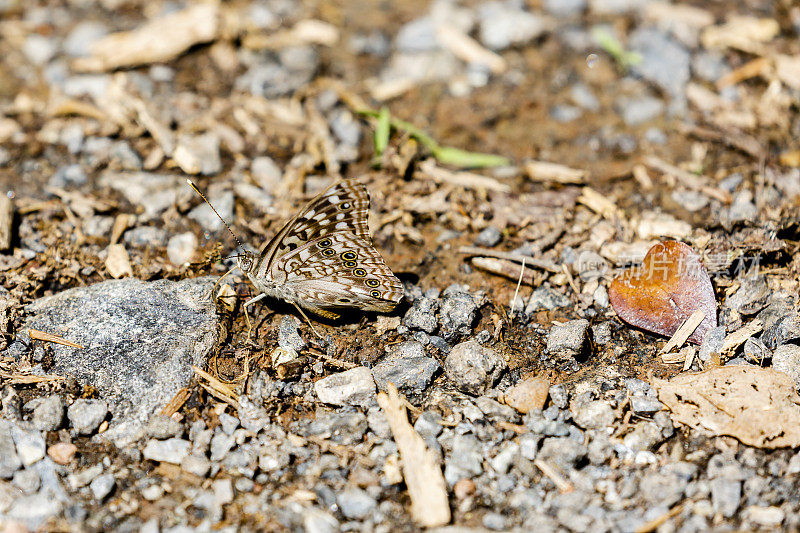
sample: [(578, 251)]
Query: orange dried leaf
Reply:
[(665, 290)]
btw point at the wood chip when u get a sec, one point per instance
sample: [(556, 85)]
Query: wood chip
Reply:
[(306, 32), (49, 337), (554, 474), (690, 352), (468, 180), (546, 172), (468, 49), (118, 263), (6, 221), (684, 331), (599, 203), (216, 388), (738, 337), (157, 41), (421, 470), (751, 69), (530, 261), (176, 402)]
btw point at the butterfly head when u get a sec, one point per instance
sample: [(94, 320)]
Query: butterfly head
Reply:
[(246, 262)]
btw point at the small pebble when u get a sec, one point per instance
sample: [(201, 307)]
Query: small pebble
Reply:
[(86, 415), (62, 452), (102, 486)]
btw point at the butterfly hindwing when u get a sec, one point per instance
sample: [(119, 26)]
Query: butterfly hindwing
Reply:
[(339, 270)]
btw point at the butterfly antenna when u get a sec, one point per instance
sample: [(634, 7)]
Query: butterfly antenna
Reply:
[(203, 196)]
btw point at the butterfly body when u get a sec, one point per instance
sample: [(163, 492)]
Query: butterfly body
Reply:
[(323, 259)]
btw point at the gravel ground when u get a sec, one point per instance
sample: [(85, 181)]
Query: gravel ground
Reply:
[(519, 156)]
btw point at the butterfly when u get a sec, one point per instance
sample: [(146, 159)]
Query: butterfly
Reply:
[(323, 259)]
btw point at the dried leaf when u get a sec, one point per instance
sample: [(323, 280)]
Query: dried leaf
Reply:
[(665, 290), (756, 405)]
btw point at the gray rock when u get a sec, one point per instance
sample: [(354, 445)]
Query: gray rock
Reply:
[(503, 24), (495, 521), (709, 65), (563, 452), (198, 154), (168, 451), (267, 173), (601, 333), (645, 436), (317, 521), (30, 445), (545, 298), (34, 510), (49, 414), (428, 425), (419, 35), (153, 192), (662, 488), (465, 459), (221, 444), (751, 297), (163, 427), (27, 480), (355, 503), (489, 236), (85, 416), (145, 236), (754, 351), (228, 423), (346, 128), (786, 359), (644, 405), (473, 368), (725, 496), (196, 464), (559, 395), (597, 414), (639, 110), (102, 486), (565, 113), (590, 265), (139, 341), (123, 155), (181, 248), (567, 339), (352, 387), (68, 176), (255, 196), (39, 49), (712, 343), (97, 226), (665, 62), (564, 8), (742, 209), (378, 423), (580, 93), (288, 336), (205, 216), (782, 330), (422, 315), (79, 40), (407, 367)]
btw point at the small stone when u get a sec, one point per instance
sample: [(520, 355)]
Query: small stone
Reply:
[(503, 24), (596, 414), (62, 452), (786, 359), (221, 444), (545, 298), (473, 368), (601, 333), (751, 297), (198, 154), (755, 351), (662, 488), (167, 451), (205, 216), (255, 196), (645, 405), (665, 62), (465, 459), (153, 492), (464, 488), (288, 336), (196, 464), (86, 415), (645, 436), (428, 425), (457, 313), (636, 111), (781, 331), (317, 521), (68, 176), (181, 248), (495, 521), (767, 517), (712, 344), (562, 452), (267, 173), (725, 496), (567, 339), (49, 414), (145, 237), (163, 427), (102, 486), (31, 446), (229, 423), (528, 395), (559, 396), (488, 237), (407, 367), (355, 504), (27, 480), (352, 387), (582, 95), (422, 315), (742, 209)]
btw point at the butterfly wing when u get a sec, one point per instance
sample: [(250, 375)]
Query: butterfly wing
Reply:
[(341, 207), (340, 270)]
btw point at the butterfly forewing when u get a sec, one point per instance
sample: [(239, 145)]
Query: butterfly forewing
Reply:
[(342, 207)]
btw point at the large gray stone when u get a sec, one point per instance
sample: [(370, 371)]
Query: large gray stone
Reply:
[(139, 341)]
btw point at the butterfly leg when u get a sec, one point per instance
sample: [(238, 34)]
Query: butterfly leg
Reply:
[(317, 333), (247, 315)]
